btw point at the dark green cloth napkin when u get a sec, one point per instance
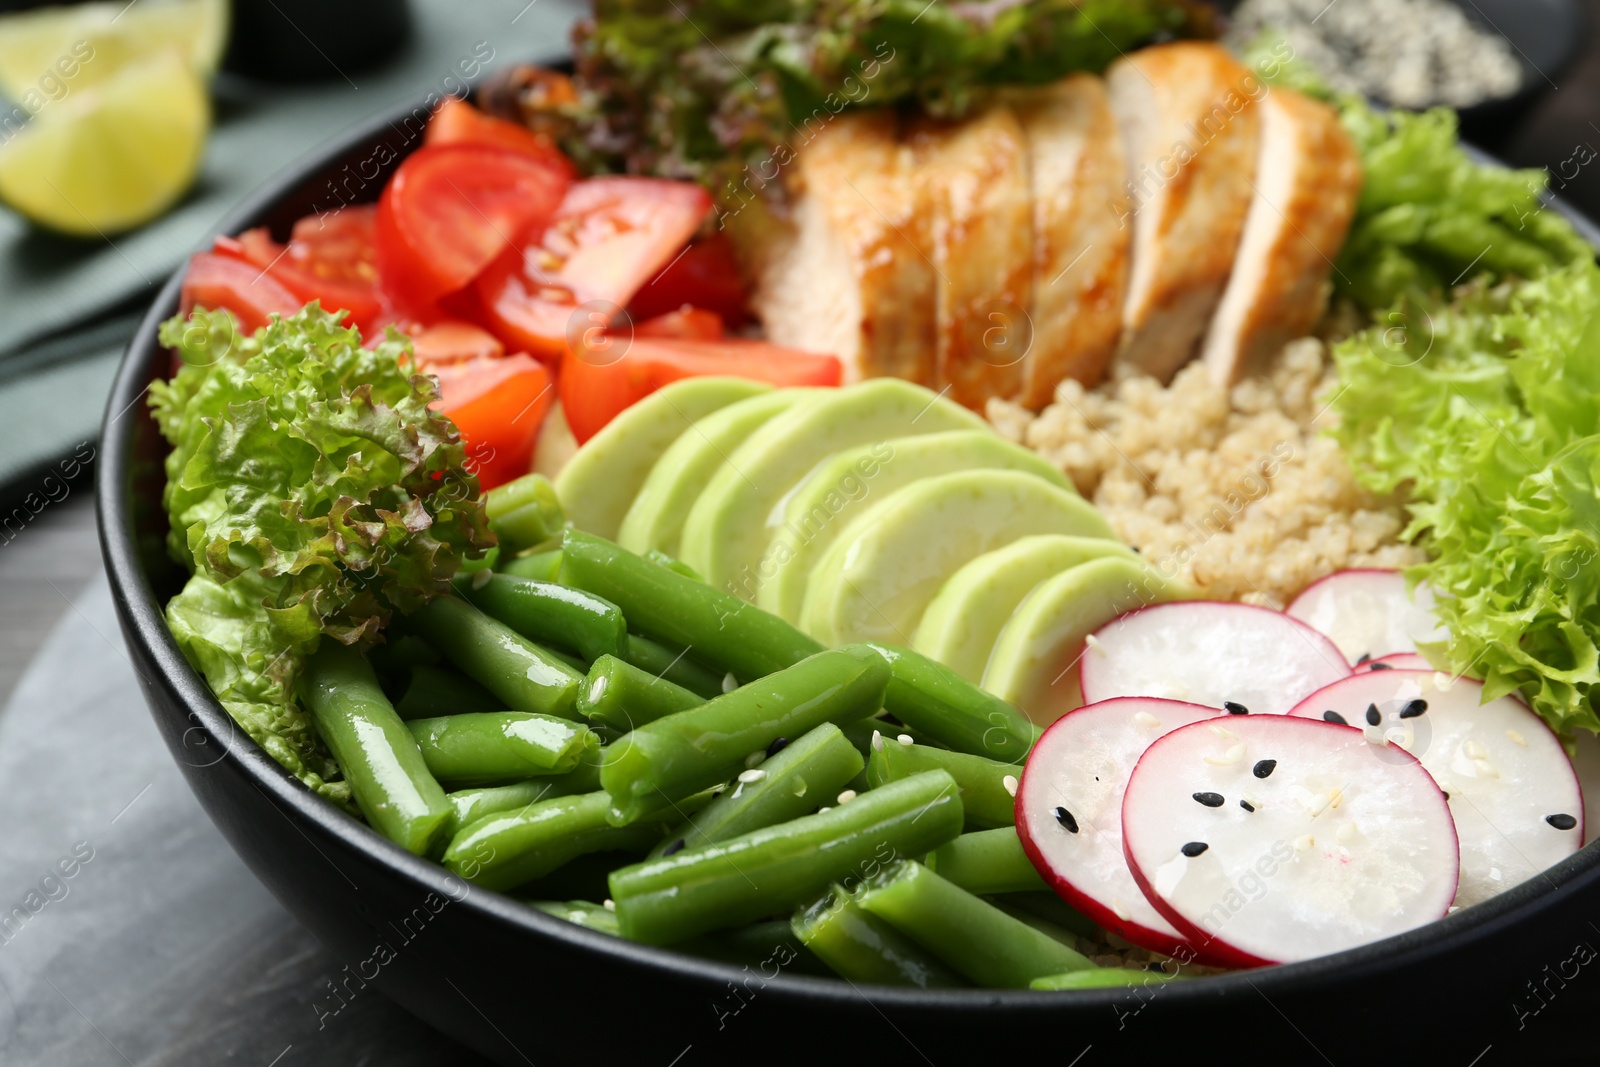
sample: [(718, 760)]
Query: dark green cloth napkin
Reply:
[(68, 307)]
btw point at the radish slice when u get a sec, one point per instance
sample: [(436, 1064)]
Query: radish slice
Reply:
[(1268, 839), (1397, 661), (1069, 811), (1369, 613), (1514, 794), (1212, 653)]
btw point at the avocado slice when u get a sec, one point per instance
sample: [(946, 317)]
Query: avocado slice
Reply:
[(655, 520), (849, 482), (726, 534), (961, 625), (1034, 665), (878, 577), (600, 482)]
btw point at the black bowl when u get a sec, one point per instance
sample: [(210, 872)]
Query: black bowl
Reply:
[(522, 987)]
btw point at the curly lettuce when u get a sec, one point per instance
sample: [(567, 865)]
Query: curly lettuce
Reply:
[(1488, 410), (312, 493)]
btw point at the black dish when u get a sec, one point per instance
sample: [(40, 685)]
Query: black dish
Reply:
[(525, 988)]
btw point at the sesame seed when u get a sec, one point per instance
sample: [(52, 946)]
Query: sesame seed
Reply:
[(1320, 806), (1120, 908), (777, 746), (1485, 768), (1562, 821), (1366, 658), (1473, 750), (1228, 758), (1210, 800), (823, 809), (1380, 666), (906, 740), (1246, 805), (1334, 716), (1346, 831), (1443, 682), (1263, 768), (1147, 720), (1233, 707), (1094, 642), (847, 796), (1335, 798), (877, 741), (609, 904), (1413, 709), (1373, 717), (1010, 782), (754, 774), (482, 578), (1064, 817), (754, 758), (1157, 966), (675, 847), (729, 683), (1517, 738), (1305, 843), (1194, 848)]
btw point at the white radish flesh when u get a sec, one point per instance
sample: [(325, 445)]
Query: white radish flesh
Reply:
[(1212, 653), (1368, 612), (1516, 799), (1069, 810), (1269, 839)]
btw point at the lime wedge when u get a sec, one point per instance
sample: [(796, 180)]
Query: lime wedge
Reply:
[(113, 156), (48, 54)]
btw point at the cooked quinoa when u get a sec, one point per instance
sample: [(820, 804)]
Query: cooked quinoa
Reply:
[(1237, 492)]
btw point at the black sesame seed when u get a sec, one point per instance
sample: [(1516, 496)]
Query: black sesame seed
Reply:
[(1064, 817), (1264, 767), (1413, 709), (1235, 708), (1446, 795), (1194, 848), (1210, 800), (676, 846), (1334, 716), (777, 746), (1366, 658), (1156, 966), (1373, 718), (1246, 805), (1562, 821), (1381, 667)]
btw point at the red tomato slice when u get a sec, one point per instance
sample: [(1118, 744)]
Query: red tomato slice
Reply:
[(458, 122), (215, 281), (498, 404), (706, 276), (451, 209), (613, 373), (609, 238), (333, 267), (452, 342), (687, 323)]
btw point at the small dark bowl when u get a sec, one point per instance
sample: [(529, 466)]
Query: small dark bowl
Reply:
[(522, 987)]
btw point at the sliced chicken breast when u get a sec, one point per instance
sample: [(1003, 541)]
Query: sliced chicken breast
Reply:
[(977, 199), (1306, 187), (1191, 131), (846, 272), (1080, 233)]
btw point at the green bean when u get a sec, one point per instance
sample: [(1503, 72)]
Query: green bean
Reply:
[(1054, 910), (548, 613), (673, 665), (672, 563), (394, 659), (1102, 978), (860, 733), (519, 672), (985, 862), (794, 781), (387, 775), (467, 806), (693, 749), (540, 566), (777, 868), (512, 848), (759, 946), (717, 626), (580, 878), (441, 691), (621, 696), (580, 913), (861, 947), (983, 943), (984, 794), (525, 512), (500, 746), (946, 707)]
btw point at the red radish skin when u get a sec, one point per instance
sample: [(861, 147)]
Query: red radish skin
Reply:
[(1369, 612), (1329, 849), (1081, 765), (1503, 769), (1214, 653)]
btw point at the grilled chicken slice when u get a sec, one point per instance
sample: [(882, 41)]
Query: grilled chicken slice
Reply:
[(1306, 187), (845, 273), (1191, 131), (1080, 233), (976, 196)]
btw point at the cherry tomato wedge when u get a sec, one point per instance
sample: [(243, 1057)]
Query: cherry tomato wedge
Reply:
[(610, 237), (706, 276), (452, 342), (602, 379), (457, 122), (687, 323), (498, 403), (214, 281), (332, 264), (450, 210)]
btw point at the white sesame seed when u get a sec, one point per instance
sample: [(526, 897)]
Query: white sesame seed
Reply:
[(1517, 738), (482, 578), (877, 741), (1473, 749), (1346, 831), (1094, 642), (1223, 731), (1010, 782), (1305, 843), (1443, 681), (1147, 720), (754, 758), (906, 740), (1336, 798), (1228, 758), (1485, 768), (610, 905), (823, 809), (1120, 907), (754, 774), (847, 796), (1320, 805), (1494, 874), (1395, 735), (729, 683)]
